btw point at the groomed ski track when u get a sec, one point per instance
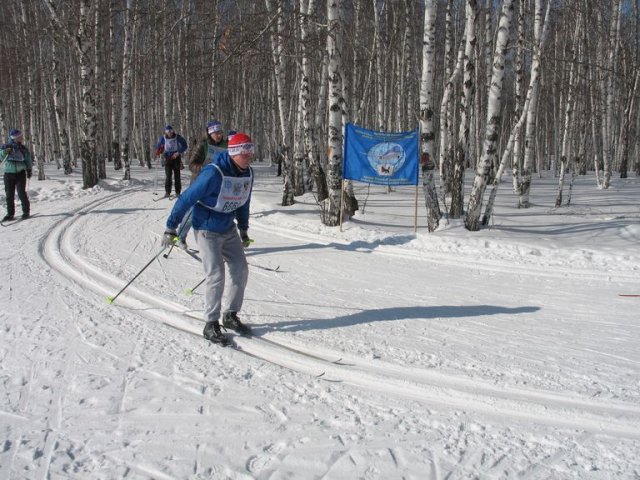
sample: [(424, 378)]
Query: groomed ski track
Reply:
[(418, 384)]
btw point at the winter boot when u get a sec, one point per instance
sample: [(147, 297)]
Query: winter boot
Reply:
[(7, 218), (213, 333), (231, 320)]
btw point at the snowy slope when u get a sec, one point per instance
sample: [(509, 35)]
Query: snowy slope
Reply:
[(381, 353)]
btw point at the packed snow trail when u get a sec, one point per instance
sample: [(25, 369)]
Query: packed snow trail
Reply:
[(521, 366), (387, 379)]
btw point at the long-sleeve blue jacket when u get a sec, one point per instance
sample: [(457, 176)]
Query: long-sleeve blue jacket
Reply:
[(202, 195), (182, 146)]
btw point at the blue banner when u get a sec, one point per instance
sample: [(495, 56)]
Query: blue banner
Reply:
[(382, 158)]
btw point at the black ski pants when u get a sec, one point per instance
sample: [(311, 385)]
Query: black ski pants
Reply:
[(13, 182), (172, 169)]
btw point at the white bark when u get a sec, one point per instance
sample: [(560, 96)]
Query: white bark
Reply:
[(466, 99), (277, 47), (525, 175), (525, 115), (330, 215), (127, 70), (614, 41), (59, 114), (427, 110), (494, 120)]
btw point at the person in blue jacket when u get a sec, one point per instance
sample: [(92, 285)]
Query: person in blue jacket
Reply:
[(220, 197), (17, 163), (171, 146)]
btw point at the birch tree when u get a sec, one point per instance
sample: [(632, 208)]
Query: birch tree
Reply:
[(427, 109), (466, 101), (330, 214), (494, 119), (59, 113), (127, 75), (81, 43), (277, 46), (525, 174), (525, 114)]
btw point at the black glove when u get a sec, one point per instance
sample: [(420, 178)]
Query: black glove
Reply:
[(29, 172), (246, 241), (169, 238)]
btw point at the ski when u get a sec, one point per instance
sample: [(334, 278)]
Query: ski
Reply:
[(629, 295), (170, 197), (268, 269), (7, 223), (302, 352)]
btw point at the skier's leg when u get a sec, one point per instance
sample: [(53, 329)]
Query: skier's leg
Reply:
[(234, 255), (176, 170), (210, 245), (21, 184), (167, 177), (10, 192)]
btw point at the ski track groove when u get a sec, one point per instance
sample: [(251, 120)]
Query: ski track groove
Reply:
[(419, 385)]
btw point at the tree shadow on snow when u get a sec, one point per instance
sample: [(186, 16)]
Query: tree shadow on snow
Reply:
[(359, 245), (389, 314)]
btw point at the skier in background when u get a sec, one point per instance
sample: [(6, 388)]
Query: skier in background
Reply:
[(171, 146), (17, 162), (220, 198), (213, 143)]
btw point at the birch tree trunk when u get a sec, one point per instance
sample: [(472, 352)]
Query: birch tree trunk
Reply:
[(113, 147), (614, 40), (565, 153), (524, 178), (34, 138), (98, 83), (466, 101), (330, 208), (427, 110), (524, 116), (127, 72), (277, 40), (59, 114), (82, 44), (519, 88), (494, 120)]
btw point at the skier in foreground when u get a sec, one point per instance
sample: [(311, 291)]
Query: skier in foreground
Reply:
[(220, 197)]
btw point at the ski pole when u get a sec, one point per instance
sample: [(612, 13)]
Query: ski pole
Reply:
[(110, 300), (189, 291)]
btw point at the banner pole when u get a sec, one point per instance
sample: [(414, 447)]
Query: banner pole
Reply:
[(341, 202), (415, 212)]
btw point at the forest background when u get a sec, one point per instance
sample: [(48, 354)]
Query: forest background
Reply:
[(515, 85)]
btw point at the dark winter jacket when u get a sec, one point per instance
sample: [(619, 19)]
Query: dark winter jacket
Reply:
[(204, 154), (15, 157), (203, 196)]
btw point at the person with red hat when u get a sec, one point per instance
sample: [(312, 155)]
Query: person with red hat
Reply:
[(18, 164), (220, 197)]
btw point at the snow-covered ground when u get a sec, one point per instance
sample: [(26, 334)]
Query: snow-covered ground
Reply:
[(380, 353)]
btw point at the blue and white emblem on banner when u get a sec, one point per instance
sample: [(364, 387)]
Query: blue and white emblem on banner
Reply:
[(381, 157), (386, 158)]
